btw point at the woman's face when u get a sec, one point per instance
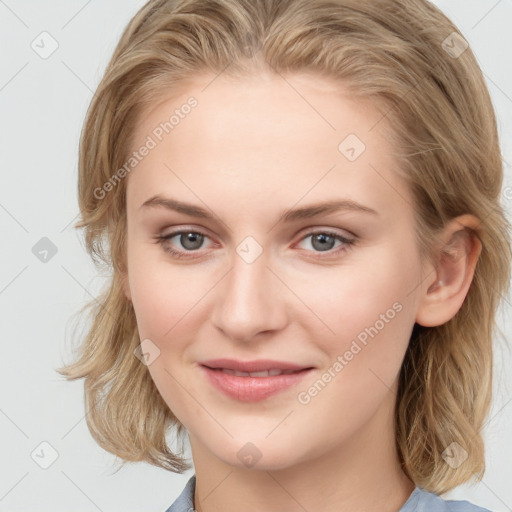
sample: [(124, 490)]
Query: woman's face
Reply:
[(268, 272)]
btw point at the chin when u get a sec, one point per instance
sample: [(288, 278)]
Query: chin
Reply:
[(260, 456)]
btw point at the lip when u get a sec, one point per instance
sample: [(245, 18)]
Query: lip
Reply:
[(254, 389)]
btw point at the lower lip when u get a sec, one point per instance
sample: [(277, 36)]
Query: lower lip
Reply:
[(253, 389)]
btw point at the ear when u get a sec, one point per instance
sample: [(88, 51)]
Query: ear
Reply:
[(443, 293)]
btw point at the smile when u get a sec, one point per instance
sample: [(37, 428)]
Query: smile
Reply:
[(253, 386)]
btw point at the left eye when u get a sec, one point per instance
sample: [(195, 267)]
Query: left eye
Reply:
[(191, 241), (324, 241)]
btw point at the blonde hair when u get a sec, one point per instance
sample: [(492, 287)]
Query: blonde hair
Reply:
[(443, 128)]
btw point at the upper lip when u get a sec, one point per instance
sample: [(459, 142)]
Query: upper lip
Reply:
[(253, 366)]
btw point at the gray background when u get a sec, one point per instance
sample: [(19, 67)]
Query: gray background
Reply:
[(42, 107)]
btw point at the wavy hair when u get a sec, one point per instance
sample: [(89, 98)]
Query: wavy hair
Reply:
[(397, 54)]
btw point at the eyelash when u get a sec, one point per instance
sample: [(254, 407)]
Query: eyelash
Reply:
[(162, 239)]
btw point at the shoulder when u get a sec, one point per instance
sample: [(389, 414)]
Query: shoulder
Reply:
[(422, 500), (185, 501)]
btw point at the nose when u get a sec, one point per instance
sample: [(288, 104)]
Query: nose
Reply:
[(249, 300)]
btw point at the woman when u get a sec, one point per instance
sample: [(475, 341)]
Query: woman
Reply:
[(301, 205)]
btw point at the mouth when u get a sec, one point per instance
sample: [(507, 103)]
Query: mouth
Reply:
[(258, 380), (254, 367), (273, 372)]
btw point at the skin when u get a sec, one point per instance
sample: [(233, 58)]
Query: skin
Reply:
[(252, 149)]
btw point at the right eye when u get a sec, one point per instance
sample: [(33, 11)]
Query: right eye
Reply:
[(190, 241)]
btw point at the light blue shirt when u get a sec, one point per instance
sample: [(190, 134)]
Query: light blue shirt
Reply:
[(420, 500)]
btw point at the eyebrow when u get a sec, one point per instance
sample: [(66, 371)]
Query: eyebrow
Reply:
[(306, 212)]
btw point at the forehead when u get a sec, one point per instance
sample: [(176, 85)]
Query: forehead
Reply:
[(267, 136)]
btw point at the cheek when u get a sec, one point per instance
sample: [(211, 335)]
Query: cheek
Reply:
[(162, 294), (166, 308), (367, 309), (372, 329)]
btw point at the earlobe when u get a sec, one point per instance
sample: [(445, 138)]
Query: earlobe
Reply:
[(444, 293)]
